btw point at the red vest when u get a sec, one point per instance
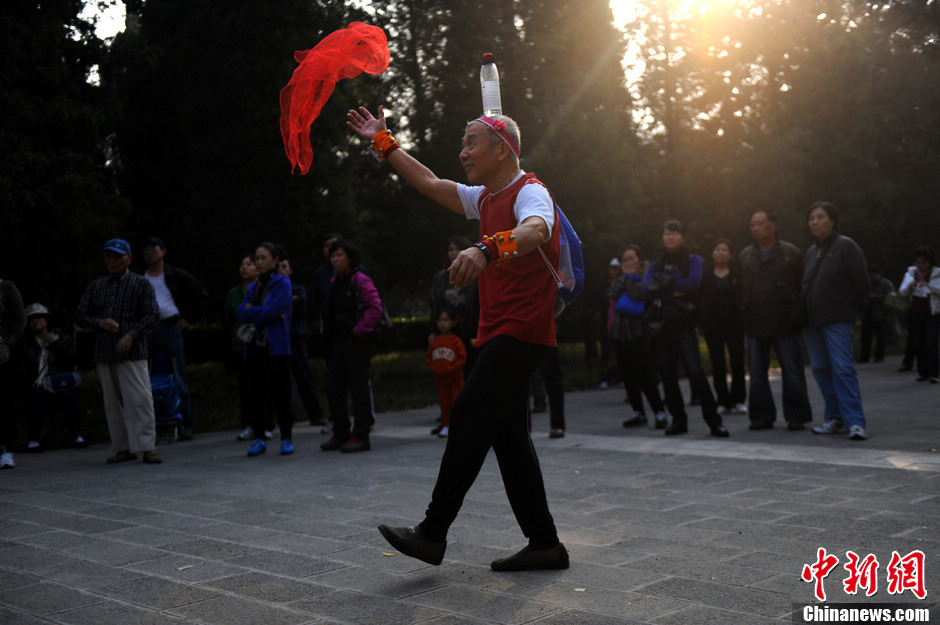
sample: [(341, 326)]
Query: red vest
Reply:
[(516, 297)]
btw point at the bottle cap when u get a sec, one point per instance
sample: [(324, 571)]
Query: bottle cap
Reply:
[(488, 58)]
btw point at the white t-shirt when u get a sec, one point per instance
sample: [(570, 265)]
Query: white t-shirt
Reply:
[(533, 199), (164, 299)]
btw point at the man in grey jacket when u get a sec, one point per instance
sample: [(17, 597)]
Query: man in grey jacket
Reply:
[(771, 272)]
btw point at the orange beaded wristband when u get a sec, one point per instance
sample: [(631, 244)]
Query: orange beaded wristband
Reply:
[(506, 246), (383, 143)]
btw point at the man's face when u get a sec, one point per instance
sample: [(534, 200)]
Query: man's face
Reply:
[(153, 253), (762, 229), (478, 159), (115, 263), (37, 323)]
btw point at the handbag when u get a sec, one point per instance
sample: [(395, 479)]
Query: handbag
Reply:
[(626, 305), (61, 382), (246, 333)]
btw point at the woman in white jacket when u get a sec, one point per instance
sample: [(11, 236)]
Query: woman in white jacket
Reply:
[(922, 284)]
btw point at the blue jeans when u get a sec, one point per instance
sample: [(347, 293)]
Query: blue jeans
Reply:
[(830, 351), (760, 405)]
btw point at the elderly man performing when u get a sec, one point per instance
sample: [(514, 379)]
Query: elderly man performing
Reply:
[(517, 327)]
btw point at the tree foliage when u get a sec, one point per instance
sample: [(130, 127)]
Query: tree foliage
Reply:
[(750, 104), (57, 201)]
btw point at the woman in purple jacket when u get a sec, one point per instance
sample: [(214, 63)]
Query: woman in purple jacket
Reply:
[(352, 312), (267, 307)]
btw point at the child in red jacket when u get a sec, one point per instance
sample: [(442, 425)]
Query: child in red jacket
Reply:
[(446, 357)]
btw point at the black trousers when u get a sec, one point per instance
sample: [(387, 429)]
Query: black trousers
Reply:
[(348, 371), (491, 411), (269, 377), (678, 342), (873, 329), (717, 339), (638, 373), (550, 370)]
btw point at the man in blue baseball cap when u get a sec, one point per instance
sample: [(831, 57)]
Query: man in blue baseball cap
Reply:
[(121, 309)]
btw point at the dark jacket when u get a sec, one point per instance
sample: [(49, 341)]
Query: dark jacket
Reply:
[(63, 354), (675, 272), (839, 292), (190, 297), (720, 300), (626, 327), (298, 315), (769, 286)]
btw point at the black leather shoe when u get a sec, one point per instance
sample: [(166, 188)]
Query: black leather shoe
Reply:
[(635, 421), (409, 542), (719, 431), (530, 560), (677, 428)]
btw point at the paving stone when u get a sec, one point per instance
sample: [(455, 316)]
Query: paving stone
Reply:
[(210, 549), (156, 592), (357, 607), (12, 579), (269, 588), (113, 613), (45, 598), (186, 569), (226, 610), (15, 617), (660, 531), (707, 614), (603, 600), (722, 596), (283, 563)]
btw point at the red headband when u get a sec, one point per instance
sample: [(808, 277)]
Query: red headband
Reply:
[(499, 127)]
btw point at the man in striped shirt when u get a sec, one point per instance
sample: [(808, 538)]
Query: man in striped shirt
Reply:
[(121, 308)]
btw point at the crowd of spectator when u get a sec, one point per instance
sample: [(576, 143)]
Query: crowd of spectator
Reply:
[(765, 299)]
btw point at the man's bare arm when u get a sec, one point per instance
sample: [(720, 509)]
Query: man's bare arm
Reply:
[(444, 192)]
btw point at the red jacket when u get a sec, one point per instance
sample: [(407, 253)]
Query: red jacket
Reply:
[(446, 355)]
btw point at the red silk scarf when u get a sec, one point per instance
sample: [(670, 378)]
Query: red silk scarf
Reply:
[(342, 54)]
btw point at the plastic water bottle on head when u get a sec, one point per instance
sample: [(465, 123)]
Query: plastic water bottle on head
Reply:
[(489, 86)]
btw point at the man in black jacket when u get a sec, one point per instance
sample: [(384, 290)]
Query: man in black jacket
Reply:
[(182, 300), (771, 273)]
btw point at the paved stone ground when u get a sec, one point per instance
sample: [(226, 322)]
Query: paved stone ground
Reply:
[(661, 531)]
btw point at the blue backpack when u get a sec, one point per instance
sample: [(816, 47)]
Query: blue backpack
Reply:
[(569, 275)]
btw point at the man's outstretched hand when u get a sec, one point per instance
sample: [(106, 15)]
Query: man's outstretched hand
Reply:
[(363, 124)]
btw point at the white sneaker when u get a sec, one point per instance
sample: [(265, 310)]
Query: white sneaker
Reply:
[(443, 433), (247, 434), (268, 434), (721, 410), (6, 459), (857, 433), (739, 409), (830, 426)]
